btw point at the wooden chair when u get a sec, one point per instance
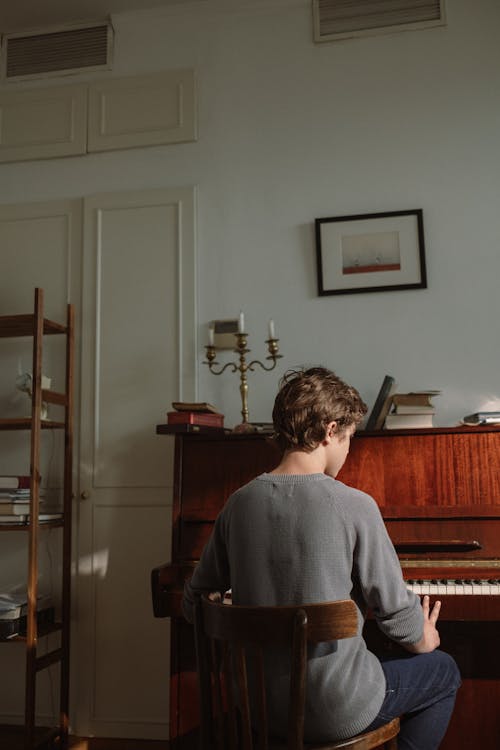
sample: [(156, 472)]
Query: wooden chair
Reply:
[(225, 718)]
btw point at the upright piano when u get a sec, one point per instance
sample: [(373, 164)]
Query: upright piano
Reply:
[(439, 493)]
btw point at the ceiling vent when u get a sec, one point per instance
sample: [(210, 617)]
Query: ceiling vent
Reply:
[(56, 51), (341, 19)]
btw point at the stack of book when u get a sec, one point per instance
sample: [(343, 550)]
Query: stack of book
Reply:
[(14, 498), (194, 417), (411, 410), (13, 483), (13, 610), (15, 501)]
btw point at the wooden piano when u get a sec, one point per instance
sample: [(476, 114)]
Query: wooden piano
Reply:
[(439, 493)]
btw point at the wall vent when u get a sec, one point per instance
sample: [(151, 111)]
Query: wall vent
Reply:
[(56, 51), (341, 19)]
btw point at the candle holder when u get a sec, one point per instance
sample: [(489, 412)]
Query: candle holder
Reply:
[(242, 366)]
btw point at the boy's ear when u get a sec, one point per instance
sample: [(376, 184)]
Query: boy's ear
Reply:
[(331, 429)]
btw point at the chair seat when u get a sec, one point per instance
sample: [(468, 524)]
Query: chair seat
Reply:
[(365, 741)]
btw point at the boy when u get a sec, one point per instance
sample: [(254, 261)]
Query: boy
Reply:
[(296, 535)]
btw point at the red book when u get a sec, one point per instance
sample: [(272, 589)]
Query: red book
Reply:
[(203, 419)]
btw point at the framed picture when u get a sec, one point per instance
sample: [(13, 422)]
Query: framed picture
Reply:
[(382, 404), (370, 252), (224, 331)]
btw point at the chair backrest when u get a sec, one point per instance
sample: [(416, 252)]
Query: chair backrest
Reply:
[(228, 635)]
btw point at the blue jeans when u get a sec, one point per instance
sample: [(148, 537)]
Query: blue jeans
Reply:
[(421, 689)]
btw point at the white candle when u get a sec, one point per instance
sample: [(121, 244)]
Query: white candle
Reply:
[(211, 335), (241, 323), (272, 332)]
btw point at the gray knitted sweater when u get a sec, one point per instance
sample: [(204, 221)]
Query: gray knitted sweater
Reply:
[(297, 539)]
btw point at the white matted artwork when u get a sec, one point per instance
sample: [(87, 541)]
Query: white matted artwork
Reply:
[(370, 252)]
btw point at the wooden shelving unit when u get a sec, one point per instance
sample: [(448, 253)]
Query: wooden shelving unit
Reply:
[(37, 327)]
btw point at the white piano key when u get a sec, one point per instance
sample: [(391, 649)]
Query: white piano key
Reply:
[(455, 587)]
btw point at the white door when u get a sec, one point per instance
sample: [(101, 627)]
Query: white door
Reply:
[(138, 355)]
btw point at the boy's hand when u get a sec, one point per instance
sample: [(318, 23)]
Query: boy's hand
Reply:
[(430, 638)]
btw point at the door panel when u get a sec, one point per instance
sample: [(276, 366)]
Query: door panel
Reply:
[(138, 355)]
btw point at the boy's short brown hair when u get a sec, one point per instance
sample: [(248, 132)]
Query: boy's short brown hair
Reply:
[(308, 400)]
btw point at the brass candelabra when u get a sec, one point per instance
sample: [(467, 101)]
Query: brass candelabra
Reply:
[(242, 366)]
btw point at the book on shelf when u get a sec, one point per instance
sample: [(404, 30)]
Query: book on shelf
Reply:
[(18, 496), (24, 518), (13, 482), (482, 417), (413, 409), (382, 404), (11, 518), (197, 406), (10, 608), (408, 421), (414, 398), (13, 613), (16, 508), (202, 419), (184, 428), (267, 427), (52, 516), (15, 603)]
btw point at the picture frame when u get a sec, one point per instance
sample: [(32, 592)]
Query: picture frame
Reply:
[(378, 252), (382, 404), (224, 332)]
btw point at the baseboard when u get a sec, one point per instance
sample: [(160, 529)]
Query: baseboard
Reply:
[(103, 743)]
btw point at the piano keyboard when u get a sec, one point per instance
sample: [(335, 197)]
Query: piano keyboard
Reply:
[(459, 586)]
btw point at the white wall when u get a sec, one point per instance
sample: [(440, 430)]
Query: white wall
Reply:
[(290, 131)]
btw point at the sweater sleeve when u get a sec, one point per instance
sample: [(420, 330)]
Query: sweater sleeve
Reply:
[(397, 610), (212, 572)]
